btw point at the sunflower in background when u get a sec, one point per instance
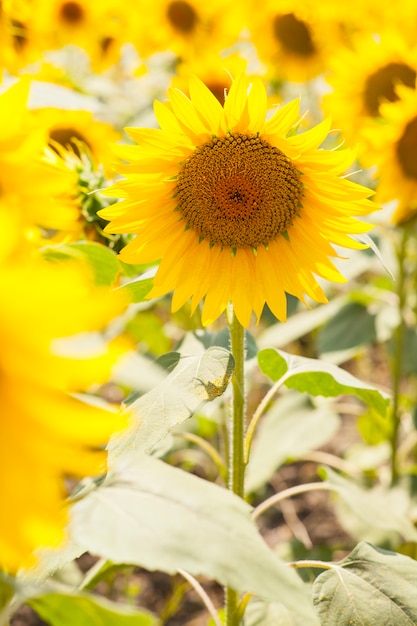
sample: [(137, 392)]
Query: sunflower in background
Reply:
[(96, 27), (187, 28), (54, 203), (236, 207), (293, 39), (71, 128), (215, 71), (38, 197), (19, 43), (363, 78), (393, 141)]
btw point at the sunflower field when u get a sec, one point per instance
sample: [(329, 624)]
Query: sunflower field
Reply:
[(208, 313)]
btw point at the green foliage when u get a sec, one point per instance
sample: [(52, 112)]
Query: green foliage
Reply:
[(160, 517), (352, 326), (103, 261), (318, 378), (291, 428), (138, 289), (371, 586), (193, 381), (6, 590), (59, 609), (377, 512)]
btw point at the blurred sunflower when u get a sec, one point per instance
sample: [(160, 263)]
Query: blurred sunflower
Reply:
[(96, 26), (364, 77), (187, 28), (46, 434), (73, 128), (55, 200), (236, 207), (394, 142), (213, 70), (293, 39), (47, 197), (19, 45)]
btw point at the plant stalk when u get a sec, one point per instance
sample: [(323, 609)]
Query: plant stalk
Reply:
[(397, 366), (236, 430)]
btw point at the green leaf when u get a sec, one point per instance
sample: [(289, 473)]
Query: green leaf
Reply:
[(103, 261), (320, 378), (151, 514), (380, 509), (138, 289), (59, 609), (409, 364), (6, 590), (370, 587), (195, 379), (260, 613), (291, 428), (272, 364), (350, 327)]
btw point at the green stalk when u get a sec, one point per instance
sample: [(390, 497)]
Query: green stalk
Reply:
[(398, 354), (236, 432)]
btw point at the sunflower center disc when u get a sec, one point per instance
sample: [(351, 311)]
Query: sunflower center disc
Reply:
[(72, 13), (238, 191), (182, 16), (293, 34), (381, 85), (406, 149)]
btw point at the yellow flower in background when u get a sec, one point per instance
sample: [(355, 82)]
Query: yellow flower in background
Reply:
[(215, 71), (236, 207), (366, 76), (187, 28), (394, 142), (39, 195), (19, 45), (69, 127), (293, 39), (46, 434)]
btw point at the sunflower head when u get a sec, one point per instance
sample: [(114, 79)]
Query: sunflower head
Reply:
[(392, 148), (237, 206)]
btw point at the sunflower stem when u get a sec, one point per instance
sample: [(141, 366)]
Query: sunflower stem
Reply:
[(236, 432), (397, 366)]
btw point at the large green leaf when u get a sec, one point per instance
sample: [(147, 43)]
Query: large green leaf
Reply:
[(260, 613), (318, 378), (151, 514), (58, 609), (291, 428), (194, 380), (370, 587), (370, 511)]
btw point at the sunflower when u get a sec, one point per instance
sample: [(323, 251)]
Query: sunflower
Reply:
[(214, 70), (46, 434), (40, 195), (96, 26), (237, 208), (364, 77), (19, 45), (72, 128), (293, 39), (393, 142), (188, 28)]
